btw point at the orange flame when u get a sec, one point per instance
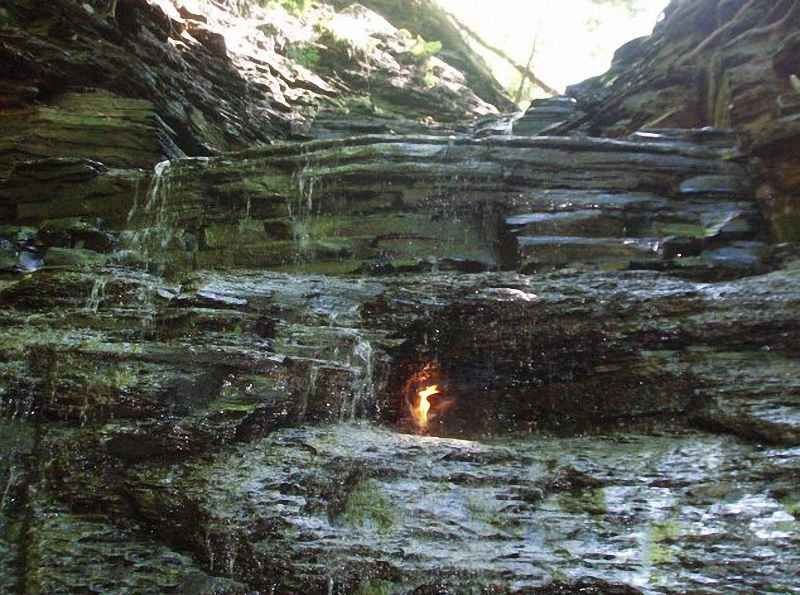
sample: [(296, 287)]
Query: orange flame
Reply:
[(421, 410)]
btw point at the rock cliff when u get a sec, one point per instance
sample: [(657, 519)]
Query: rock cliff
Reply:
[(289, 306), (722, 63), (156, 80)]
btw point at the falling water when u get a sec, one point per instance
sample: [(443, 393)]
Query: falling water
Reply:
[(311, 389), (97, 294), (159, 186), (156, 228), (153, 192), (145, 295), (300, 211), (13, 476), (362, 362)]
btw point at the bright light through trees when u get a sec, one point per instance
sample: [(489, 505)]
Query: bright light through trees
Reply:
[(574, 39)]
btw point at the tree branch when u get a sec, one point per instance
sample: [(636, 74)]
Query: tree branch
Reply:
[(524, 79), (497, 51)]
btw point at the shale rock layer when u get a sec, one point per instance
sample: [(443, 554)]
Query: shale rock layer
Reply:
[(279, 315)]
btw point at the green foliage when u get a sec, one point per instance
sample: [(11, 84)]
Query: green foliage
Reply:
[(430, 79), (367, 506), (292, 6), (422, 50), (304, 54), (296, 6), (6, 18)]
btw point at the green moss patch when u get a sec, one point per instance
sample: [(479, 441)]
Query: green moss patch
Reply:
[(304, 54), (367, 506), (591, 502), (375, 587), (660, 537)]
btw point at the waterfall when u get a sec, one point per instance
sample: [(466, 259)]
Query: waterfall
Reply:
[(145, 295), (363, 391), (300, 211), (97, 294), (13, 476), (158, 200), (311, 388), (155, 224), (360, 361), (154, 192)]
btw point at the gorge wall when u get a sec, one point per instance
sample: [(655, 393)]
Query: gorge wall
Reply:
[(164, 81), (728, 64), (240, 239)]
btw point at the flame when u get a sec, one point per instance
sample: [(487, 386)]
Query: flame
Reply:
[(421, 410)]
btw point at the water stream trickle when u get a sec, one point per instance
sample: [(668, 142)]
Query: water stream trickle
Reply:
[(311, 389), (153, 192), (97, 295), (145, 294), (13, 475), (301, 210), (154, 222), (363, 388)]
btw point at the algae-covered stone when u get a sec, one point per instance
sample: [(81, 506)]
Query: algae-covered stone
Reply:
[(71, 188), (71, 553), (368, 507), (76, 233), (73, 257), (119, 131)]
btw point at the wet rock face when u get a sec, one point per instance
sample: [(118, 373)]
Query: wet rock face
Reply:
[(214, 415), (515, 352), (545, 113), (712, 63), (663, 199), (427, 19), (500, 514), (443, 358), (116, 130), (154, 81), (376, 204)]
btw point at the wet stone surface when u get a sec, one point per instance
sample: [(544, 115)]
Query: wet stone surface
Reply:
[(204, 429), (679, 512), (382, 203), (295, 368)]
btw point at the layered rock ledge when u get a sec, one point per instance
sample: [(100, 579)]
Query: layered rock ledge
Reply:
[(411, 202), (281, 313), (159, 407)]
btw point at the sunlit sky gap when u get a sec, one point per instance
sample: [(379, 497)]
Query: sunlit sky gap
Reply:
[(575, 39)]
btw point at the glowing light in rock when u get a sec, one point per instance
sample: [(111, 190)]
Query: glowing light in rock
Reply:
[(420, 411)]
